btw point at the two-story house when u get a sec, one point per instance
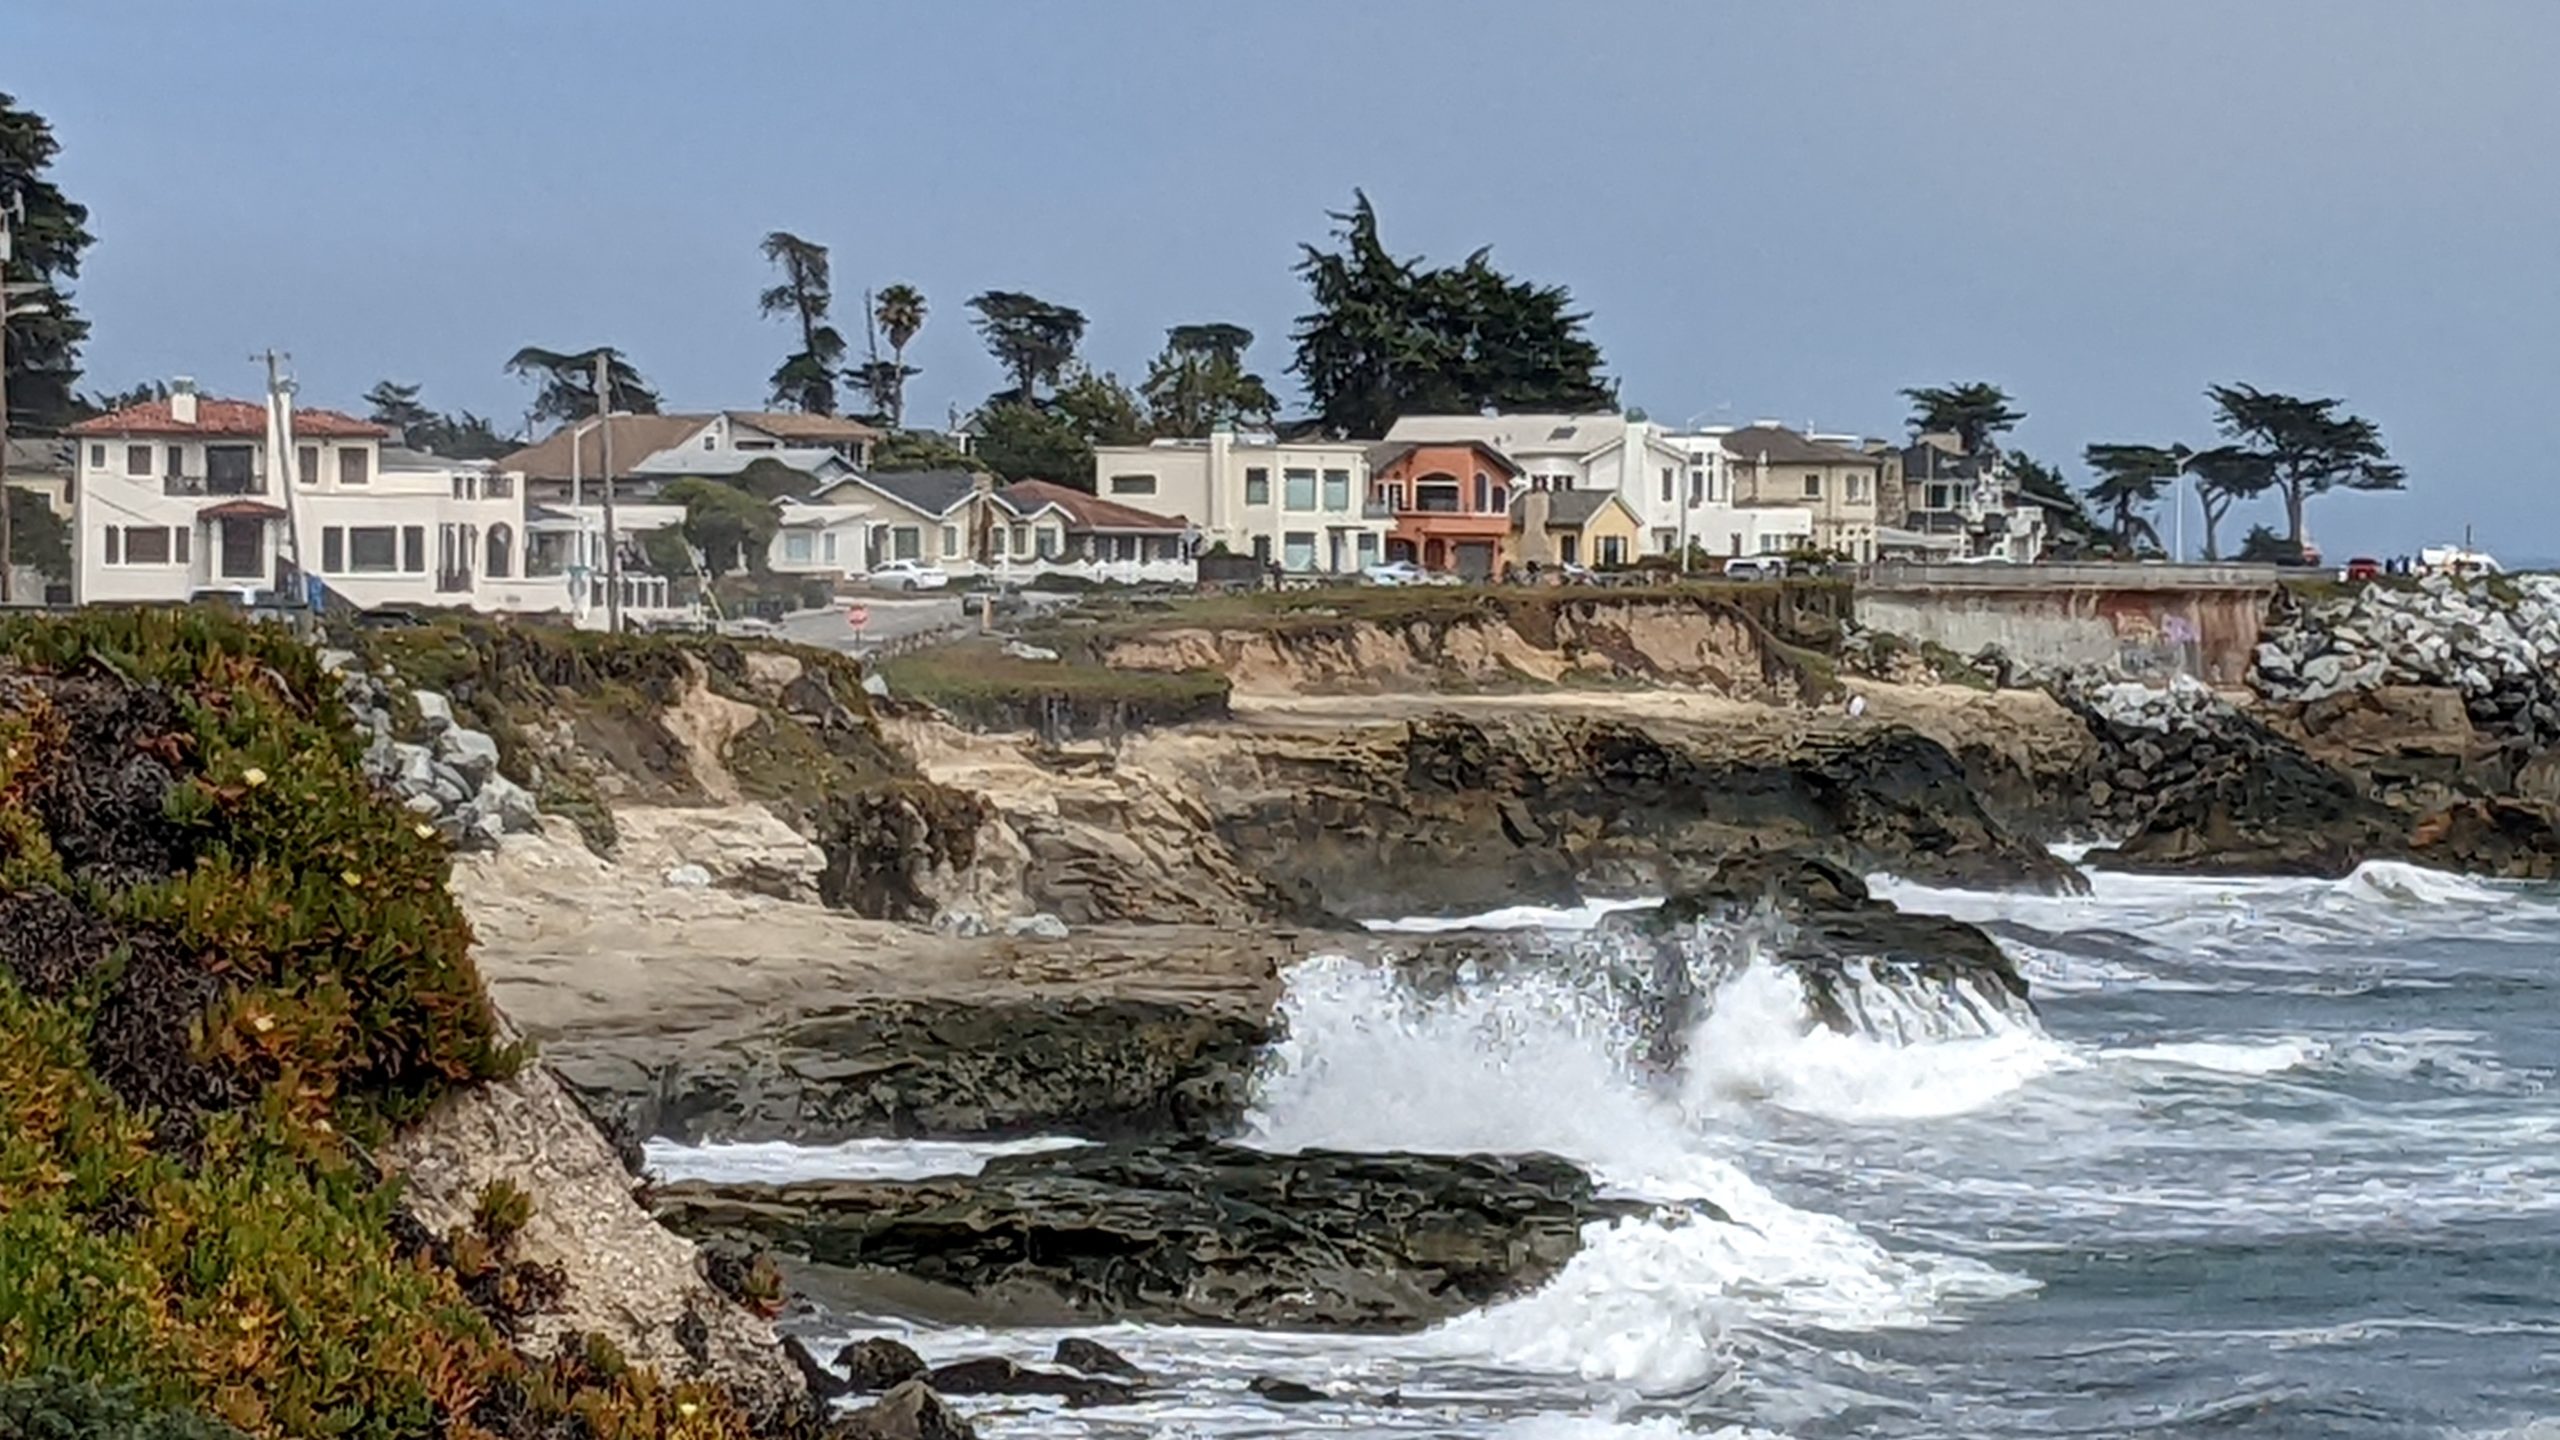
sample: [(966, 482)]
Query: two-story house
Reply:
[(1968, 505), (1836, 486), (1451, 503), (1301, 504)]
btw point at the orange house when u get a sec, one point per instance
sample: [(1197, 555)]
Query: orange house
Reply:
[(1451, 502)]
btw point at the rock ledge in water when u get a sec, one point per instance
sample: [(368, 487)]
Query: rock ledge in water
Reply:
[(1192, 1234)]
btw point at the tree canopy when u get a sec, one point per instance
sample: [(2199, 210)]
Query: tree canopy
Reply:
[(2130, 480), (806, 379), (567, 381), (1200, 382), (459, 436), (2307, 446), (2226, 475), (1976, 412), (44, 344), (1032, 338), (725, 525), (1033, 442), (1391, 337)]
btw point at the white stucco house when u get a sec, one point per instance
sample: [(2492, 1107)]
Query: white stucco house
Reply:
[(1302, 504), (180, 496)]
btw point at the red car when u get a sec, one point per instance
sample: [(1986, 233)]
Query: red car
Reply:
[(2364, 567)]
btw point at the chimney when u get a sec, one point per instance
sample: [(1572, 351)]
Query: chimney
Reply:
[(182, 400)]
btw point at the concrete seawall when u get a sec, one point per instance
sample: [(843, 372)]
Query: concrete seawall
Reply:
[(2150, 622)]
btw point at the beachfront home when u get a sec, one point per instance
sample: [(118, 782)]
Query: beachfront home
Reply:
[(1450, 500), (1572, 527), (1835, 485), (1300, 504), (1065, 530)]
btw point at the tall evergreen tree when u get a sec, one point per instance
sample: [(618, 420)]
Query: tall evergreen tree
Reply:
[(1976, 412), (2131, 479), (2309, 448), (1200, 382), (1034, 339), (568, 382), (44, 344), (2226, 475), (1389, 336), (806, 380), (396, 407)]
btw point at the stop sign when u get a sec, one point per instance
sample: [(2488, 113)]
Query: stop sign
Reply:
[(857, 616)]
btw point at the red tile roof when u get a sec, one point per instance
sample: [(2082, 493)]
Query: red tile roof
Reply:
[(1088, 511), (241, 418)]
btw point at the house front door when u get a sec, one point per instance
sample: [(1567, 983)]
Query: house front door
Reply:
[(243, 549)]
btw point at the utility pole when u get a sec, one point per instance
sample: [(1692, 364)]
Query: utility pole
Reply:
[(10, 205), (612, 542), (281, 460)]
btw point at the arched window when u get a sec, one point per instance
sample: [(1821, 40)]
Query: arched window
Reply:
[(501, 552)]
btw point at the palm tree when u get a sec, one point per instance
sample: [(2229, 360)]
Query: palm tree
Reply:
[(806, 380), (899, 310)]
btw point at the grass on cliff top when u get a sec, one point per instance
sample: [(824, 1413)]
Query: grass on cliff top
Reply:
[(1528, 609), (225, 966), (978, 683)]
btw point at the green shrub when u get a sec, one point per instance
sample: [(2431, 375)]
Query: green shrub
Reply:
[(57, 1405)]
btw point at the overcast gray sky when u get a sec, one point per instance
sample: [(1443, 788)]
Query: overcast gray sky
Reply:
[(1785, 209)]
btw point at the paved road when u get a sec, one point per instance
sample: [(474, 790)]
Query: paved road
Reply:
[(891, 618)]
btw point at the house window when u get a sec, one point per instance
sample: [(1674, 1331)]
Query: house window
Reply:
[(1257, 486), (1261, 549), (150, 545), (1337, 489), (115, 546), (951, 542), (1501, 499), (1133, 484), (177, 457), (137, 459), (1857, 488), (795, 547), (353, 467), (97, 457), (373, 550), (1365, 547), (306, 465), (1697, 486), (1395, 496), (1813, 487), (1613, 548), (830, 547), (502, 547), (333, 550), (905, 543), (1569, 549), (1484, 493), (413, 549), (1299, 490), (1298, 547), (1666, 484)]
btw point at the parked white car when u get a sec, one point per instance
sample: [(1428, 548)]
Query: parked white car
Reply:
[(909, 575), (1756, 567), (1404, 572)]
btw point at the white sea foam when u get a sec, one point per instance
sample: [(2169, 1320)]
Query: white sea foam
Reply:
[(1512, 917), (775, 1161), (2226, 1057), (1542, 1061)]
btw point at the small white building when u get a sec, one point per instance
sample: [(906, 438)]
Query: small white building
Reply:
[(828, 538)]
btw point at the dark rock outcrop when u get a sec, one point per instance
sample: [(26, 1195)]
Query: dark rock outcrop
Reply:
[(1106, 1068), (878, 1363), (1456, 816), (1191, 1234), (994, 1375), (1092, 1357), (910, 1412)]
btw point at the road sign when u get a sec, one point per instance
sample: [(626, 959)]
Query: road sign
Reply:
[(857, 616)]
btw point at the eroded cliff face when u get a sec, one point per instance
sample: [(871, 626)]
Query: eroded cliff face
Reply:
[(1681, 640)]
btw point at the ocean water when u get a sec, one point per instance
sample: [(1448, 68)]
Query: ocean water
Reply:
[(2268, 1158)]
